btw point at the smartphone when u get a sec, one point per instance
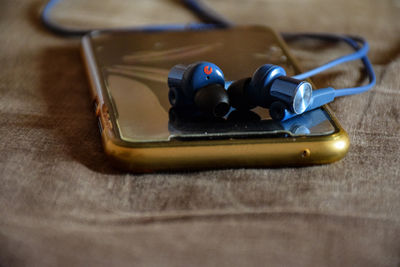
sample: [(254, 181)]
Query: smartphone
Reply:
[(141, 132)]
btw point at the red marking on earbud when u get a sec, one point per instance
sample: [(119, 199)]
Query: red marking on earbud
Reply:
[(207, 70)]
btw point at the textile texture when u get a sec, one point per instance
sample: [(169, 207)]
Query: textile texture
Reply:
[(63, 204)]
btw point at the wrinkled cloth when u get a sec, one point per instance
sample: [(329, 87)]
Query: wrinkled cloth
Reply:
[(63, 204)]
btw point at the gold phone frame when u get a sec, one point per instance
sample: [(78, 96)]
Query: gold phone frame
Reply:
[(174, 155)]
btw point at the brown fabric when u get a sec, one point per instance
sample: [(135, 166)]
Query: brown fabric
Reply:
[(62, 204)]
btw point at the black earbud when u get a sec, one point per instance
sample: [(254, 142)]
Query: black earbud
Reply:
[(200, 85)]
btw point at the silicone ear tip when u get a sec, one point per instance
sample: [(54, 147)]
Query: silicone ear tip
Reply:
[(238, 96), (277, 111), (213, 99)]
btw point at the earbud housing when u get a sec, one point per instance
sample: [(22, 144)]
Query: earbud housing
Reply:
[(202, 85)]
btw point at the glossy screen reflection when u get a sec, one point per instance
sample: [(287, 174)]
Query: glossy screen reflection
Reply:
[(135, 69)]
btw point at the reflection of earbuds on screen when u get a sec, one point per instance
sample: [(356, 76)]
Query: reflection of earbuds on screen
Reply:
[(302, 124), (190, 120)]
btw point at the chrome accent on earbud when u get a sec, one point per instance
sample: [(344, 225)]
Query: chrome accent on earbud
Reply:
[(294, 93), (302, 97)]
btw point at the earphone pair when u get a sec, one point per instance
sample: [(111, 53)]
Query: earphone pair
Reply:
[(202, 85), (269, 87)]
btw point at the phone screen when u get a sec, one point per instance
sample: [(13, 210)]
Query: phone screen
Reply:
[(135, 67)]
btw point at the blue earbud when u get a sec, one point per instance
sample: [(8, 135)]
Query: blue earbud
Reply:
[(201, 85), (285, 97), (268, 85)]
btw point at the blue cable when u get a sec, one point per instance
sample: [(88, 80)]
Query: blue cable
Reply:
[(210, 22), (368, 68), (361, 53), (213, 20)]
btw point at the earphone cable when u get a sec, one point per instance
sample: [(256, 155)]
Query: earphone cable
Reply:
[(211, 19)]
